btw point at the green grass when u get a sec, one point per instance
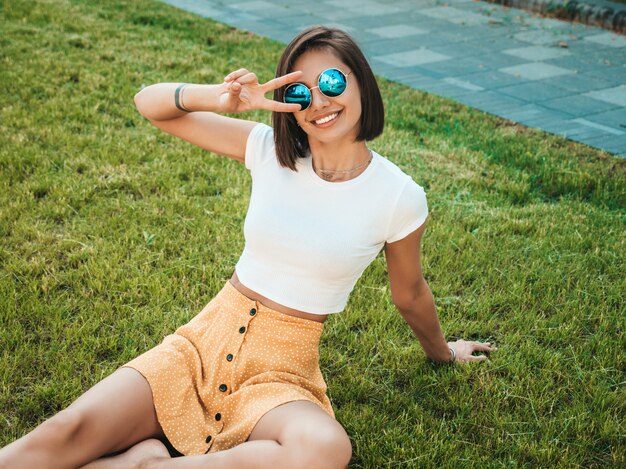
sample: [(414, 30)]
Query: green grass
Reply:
[(113, 233)]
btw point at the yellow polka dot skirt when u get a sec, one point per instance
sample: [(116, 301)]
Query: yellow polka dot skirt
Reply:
[(216, 376)]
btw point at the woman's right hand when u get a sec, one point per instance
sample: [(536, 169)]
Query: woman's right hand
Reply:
[(242, 92), (464, 350)]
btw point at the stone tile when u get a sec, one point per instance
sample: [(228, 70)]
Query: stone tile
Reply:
[(285, 35), (534, 91), (615, 57), (506, 14), (410, 17), (580, 82), (536, 71), (409, 4), (412, 57), (255, 5), (337, 14), (571, 129), (608, 39), (344, 3), (397, 30), (284, 3), (497, 60), (490, 100), (593, 54), (461, 49), (615, 95), (298, 23), (525, 111), (457, 67), (423, 70), (283, 13), (617, 75), (536, 53), (541, 37), (615, 118), (262, 28), (500, 109), (579, 62), (548, 23), (604, 128), (344, 26), (417, 80), (578, 105), (232, 17), (583, 141), (439, 39), (531, 112), (582, 30), (455, 15), (475, 33), (463, 84), (369, 22), (562, 128), (446, 90), (366, 7), (374, 9), (385, 46), (344, 10), (615, 144), (500, 43), (206, 11), (548, 119), (493, 79), (364, 38), (398, 73)]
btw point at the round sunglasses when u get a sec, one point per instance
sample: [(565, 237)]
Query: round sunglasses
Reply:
[(331, 82)]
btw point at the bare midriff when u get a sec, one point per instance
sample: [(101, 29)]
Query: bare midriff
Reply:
[(234, 280)]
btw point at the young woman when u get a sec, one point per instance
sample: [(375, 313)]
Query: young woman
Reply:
[(240, 386)]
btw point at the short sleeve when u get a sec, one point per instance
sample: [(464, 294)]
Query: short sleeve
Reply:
[(260, 146), (410, 212)]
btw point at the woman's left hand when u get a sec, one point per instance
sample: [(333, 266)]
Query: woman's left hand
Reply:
[(464, 350)]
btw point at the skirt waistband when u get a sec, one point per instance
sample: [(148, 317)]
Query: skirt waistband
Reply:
[(248, 304)]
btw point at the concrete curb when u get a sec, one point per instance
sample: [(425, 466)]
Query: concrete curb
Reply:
[(601, 13)]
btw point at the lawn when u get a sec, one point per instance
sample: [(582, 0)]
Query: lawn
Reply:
[(113, 233)]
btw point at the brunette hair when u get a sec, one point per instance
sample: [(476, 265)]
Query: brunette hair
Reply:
[(291, 141)]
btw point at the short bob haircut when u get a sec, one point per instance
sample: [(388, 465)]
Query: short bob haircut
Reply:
[(291, 141)]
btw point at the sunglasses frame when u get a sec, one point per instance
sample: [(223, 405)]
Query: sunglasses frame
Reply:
[(318, 87)]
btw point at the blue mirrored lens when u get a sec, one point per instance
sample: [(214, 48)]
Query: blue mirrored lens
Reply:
[(297, 93), (332, 82)]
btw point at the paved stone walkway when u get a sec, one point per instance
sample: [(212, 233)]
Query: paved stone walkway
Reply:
[(565, 78)]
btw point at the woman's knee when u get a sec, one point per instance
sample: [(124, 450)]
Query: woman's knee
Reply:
[(337, 444), (325, 448)]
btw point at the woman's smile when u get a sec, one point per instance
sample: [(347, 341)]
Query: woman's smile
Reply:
[(327, 119)]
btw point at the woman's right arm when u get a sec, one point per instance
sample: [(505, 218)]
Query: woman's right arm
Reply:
[(203, 126)]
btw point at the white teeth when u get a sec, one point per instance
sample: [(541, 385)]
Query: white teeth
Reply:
[(327, 118)]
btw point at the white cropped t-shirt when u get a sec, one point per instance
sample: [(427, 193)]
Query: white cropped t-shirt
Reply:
[(307, 240)]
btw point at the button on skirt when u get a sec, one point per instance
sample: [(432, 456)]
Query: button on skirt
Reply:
[(216, 376)]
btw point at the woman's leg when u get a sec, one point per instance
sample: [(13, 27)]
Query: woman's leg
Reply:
[(115, 414), (307, 435), (295, 435)]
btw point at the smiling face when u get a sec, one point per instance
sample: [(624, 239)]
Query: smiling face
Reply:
[(328, 120)]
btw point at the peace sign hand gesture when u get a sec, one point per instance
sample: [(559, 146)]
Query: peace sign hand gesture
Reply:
[(243, 92)]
